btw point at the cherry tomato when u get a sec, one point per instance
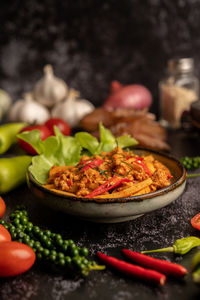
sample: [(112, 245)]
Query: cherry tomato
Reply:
[(44, 133), (2, 207), (196, 221), (15, 258), (62, 126), (4, 234)]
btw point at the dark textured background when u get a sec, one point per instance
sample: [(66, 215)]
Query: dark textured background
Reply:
[(92, 42)]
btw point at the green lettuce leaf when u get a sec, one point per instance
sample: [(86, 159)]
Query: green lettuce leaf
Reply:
[(107, 140), (87, 141), (125, 141), (63, 150)]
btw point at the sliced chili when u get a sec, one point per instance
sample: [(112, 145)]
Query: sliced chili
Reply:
[(92, 164), (146, 169), (107, 186)]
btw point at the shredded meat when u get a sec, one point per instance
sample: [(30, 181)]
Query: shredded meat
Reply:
[(92, 172)]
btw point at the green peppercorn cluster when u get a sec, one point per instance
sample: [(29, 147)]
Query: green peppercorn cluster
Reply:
[(190, 163), (49, 246)]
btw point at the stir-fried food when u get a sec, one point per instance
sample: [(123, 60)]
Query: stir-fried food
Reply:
[(110, 175)]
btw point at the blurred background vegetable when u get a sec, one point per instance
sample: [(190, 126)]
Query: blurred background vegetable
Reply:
[(28, 110), (196, 221), (5, 103), (72, 109), (50, 89), (62, 126), (133, 96), (2, 207), (195, 268), (4, 234), (44, 133), (13, 172), (8, 133)]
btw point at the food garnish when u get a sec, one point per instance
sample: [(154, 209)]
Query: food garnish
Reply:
[(8, 134), (15, 258), (28, 110), (195, 268), (163, 266), (2, 207), (13, 172), (4, 234), (44, 133), (134, 271), (195, 221), (60, 150), (190, 163), (48, 246), (133, 96), (181, 246)]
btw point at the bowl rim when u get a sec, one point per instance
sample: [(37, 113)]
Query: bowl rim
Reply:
[(138, 198)]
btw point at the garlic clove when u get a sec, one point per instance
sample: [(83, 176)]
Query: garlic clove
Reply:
[(29, 111), (72, 109), (50, 89), (86, 108), (13, 114), (33, 112)]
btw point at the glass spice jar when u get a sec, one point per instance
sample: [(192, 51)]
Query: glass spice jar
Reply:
[(177, 91)]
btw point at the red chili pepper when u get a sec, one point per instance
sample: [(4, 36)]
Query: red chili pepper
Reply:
[(160, 265), (147, 275), (169, 176), (57, 174), (69, 182), (139, 158), (146, 169), (107, 186), (94, 163)]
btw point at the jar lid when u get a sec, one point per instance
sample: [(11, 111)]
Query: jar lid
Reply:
[(181, 65)]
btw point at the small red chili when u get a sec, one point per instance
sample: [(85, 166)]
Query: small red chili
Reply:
[(94, 163), (134, 271), (160, 265), (69, 182), (146, 169), (107, 186)]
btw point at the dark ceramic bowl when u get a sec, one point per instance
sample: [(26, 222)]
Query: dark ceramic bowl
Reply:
[(118, 209)]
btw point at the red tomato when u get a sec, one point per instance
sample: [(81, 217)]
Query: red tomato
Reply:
[(62, 126), (15, 258), (44, 133), (196, 221), (2, 207), (4, 234)]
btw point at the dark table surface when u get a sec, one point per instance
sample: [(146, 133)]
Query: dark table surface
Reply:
[(154, 230)]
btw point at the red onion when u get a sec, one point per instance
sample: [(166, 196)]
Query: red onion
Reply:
[(134, 96)]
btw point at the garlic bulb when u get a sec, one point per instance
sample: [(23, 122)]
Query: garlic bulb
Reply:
[(49, 90), (29, 111), (72, 110)]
